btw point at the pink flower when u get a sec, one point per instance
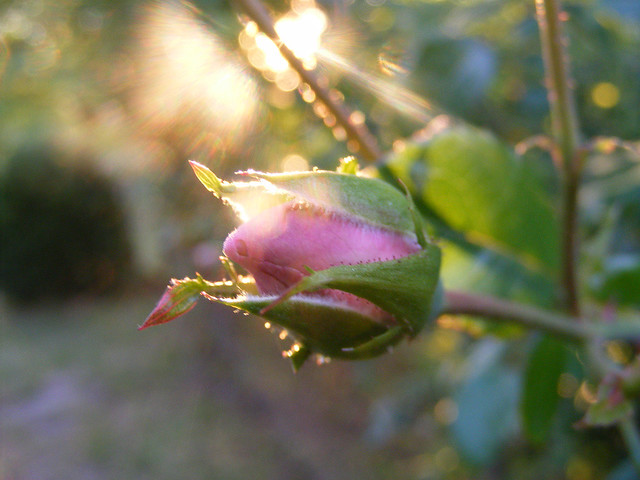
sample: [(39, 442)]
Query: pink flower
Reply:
[(278, 246), (337, 259)]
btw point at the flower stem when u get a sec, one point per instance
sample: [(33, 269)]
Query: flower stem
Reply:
[(356, 132), (526, 316), (566, 135), (632, 440), (570, 246), (563, 111)]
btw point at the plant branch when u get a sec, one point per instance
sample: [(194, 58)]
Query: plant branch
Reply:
[(566, 135), (570, 245), (464, 303), (632, 440), (458, 303), (358, 133), (563, 111)]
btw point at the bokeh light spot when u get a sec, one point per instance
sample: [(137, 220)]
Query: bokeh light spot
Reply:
[(339, 134), (272, 58), (381, 19), (605, 95), (288, 80), (619, 352), (307, 93), (301, 31), (357, 117), (442, 342), (353, 146), (445, 411), (294, 163), (585, 396)]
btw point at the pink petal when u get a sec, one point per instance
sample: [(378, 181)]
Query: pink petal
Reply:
[(276, 246)]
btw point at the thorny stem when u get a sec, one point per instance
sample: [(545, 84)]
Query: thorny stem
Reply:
[(566, 135), (569, 158), (463, 303), (359, 133), (569, 327), (457, 303), (570, 244), (563, 111)]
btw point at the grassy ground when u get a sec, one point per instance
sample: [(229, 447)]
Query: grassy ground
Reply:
[(86, 396)]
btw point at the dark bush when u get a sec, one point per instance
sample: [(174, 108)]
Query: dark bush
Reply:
[(63, 230)]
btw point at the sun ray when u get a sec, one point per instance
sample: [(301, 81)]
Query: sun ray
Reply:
[(395, 96), (188, 85)]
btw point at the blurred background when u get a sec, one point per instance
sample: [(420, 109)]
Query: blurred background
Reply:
[(101, 105)]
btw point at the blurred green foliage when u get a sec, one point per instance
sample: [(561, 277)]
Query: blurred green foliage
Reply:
[(477, 185), (80, 74)]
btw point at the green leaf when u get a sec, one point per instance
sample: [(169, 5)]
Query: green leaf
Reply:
[(619, 280), (487, 272), (478, 186), (487, 406), (540, 398)]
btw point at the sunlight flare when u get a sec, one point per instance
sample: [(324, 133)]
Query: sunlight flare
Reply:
[(391, 94), (300, 29), (188, 85)]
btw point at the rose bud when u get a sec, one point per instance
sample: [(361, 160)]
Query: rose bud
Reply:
[(337, 259)]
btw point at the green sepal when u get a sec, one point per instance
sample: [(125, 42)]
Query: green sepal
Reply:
[(246, 198), (403, 287), (369, 199), (210, 181), (376, 346), (298, 355), (182, 295), (322, 326)]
